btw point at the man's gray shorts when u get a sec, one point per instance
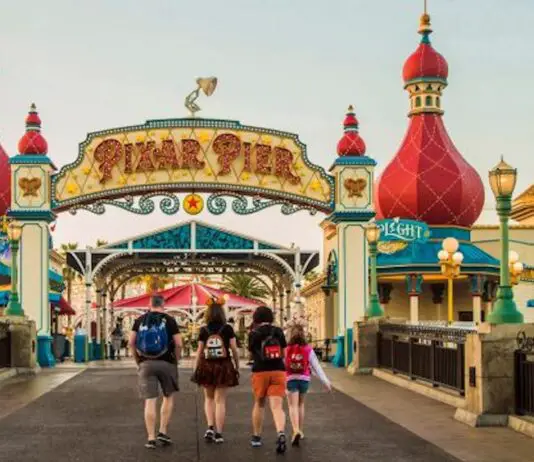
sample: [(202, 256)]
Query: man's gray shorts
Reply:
[(155, 374)]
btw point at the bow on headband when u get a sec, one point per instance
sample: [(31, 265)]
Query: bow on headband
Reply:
[(220, 300)]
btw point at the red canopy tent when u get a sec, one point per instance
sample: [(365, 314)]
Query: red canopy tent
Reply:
[(64, 307), (182, 297)]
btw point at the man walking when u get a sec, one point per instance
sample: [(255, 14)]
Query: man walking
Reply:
[(156, 345)]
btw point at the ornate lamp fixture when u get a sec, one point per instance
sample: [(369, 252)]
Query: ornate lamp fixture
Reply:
[(14, 233), (450, 259), (372, 234), (502, 180)]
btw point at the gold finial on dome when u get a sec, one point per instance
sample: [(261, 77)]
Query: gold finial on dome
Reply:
[(351, 108), (424, 22)]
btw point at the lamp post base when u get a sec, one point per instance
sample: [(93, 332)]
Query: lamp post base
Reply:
[(14, 308), (374, 309), (505, 310), (45, 358), (339, 358)]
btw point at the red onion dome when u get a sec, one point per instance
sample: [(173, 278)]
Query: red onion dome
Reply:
[(428, 180), (351, 144), (5, 183), (33, 142), (425, 62)]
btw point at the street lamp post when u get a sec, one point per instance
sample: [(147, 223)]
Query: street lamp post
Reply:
[(14, 232), (372, 234), (450, 260), (503, 179)]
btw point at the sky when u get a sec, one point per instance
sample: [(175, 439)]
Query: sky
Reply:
[(292, 65)]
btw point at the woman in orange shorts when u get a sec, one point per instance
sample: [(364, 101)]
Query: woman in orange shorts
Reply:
[(267, 344)]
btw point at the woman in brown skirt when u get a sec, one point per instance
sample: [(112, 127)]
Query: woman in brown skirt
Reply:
[(216, 367)]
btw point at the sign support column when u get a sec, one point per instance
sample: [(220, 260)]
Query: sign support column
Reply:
[(31, 207), (353, 208)]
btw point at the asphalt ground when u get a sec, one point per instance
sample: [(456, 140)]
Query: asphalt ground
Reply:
[(97, 416)]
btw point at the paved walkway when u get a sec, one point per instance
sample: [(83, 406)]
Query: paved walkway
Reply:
[(94, 415)]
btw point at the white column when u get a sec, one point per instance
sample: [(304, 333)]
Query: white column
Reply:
[(477, 290), (105, 322), (98, 316), (352, 274), (477, 309), (34, 258), (414, 308), (414, 286), (438, 311)]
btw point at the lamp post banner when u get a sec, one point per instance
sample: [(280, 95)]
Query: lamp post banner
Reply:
[(190, 155)]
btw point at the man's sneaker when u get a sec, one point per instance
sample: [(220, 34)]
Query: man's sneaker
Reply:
[(164, 439), (281, 443), (296, 439), (151, 444), (218, 438), (209, 436), (255, 441)]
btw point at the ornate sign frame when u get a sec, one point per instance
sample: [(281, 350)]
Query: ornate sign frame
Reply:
[(305, 186)]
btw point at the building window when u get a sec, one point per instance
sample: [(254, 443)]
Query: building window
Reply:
[(438, 102), (428, 101), (418, 101)]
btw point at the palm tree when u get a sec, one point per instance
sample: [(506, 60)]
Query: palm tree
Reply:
[(311, 276), (69, 274), (245, 285), (152, 283)]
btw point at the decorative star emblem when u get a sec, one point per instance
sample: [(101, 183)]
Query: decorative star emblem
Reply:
[(193, 204)]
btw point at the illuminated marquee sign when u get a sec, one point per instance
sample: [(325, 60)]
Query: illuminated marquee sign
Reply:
[(396, 234), (403, 230), (192, 155)]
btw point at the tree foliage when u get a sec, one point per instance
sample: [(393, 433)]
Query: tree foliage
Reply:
[(245, 286)]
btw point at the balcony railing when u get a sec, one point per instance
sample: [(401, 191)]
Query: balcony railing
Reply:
[(430, 353)]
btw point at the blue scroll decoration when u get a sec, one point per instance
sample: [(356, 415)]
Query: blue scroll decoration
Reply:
[(169, 204), (244, 205)]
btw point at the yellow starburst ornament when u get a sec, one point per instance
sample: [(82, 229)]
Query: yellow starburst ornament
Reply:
[(72, 188), (193, 204), (315, 185)]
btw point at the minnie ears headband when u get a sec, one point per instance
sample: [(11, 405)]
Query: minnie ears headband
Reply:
[(220, 300)]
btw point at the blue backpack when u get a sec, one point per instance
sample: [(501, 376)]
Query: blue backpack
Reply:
[(152, 339)]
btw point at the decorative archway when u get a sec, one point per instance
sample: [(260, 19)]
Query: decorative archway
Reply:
[(131, 167)]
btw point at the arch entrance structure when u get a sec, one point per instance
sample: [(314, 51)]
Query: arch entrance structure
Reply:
[(184, 165), (190, 248)]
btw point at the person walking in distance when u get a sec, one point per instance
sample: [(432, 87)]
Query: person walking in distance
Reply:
[(156, 345), (301, 361), (267, 344), (116, 341), (216, 369)]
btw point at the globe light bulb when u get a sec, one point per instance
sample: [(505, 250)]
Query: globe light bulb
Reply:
[(458, 258), (518, 267), (513, 257), (443, 255), (451, 245)]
